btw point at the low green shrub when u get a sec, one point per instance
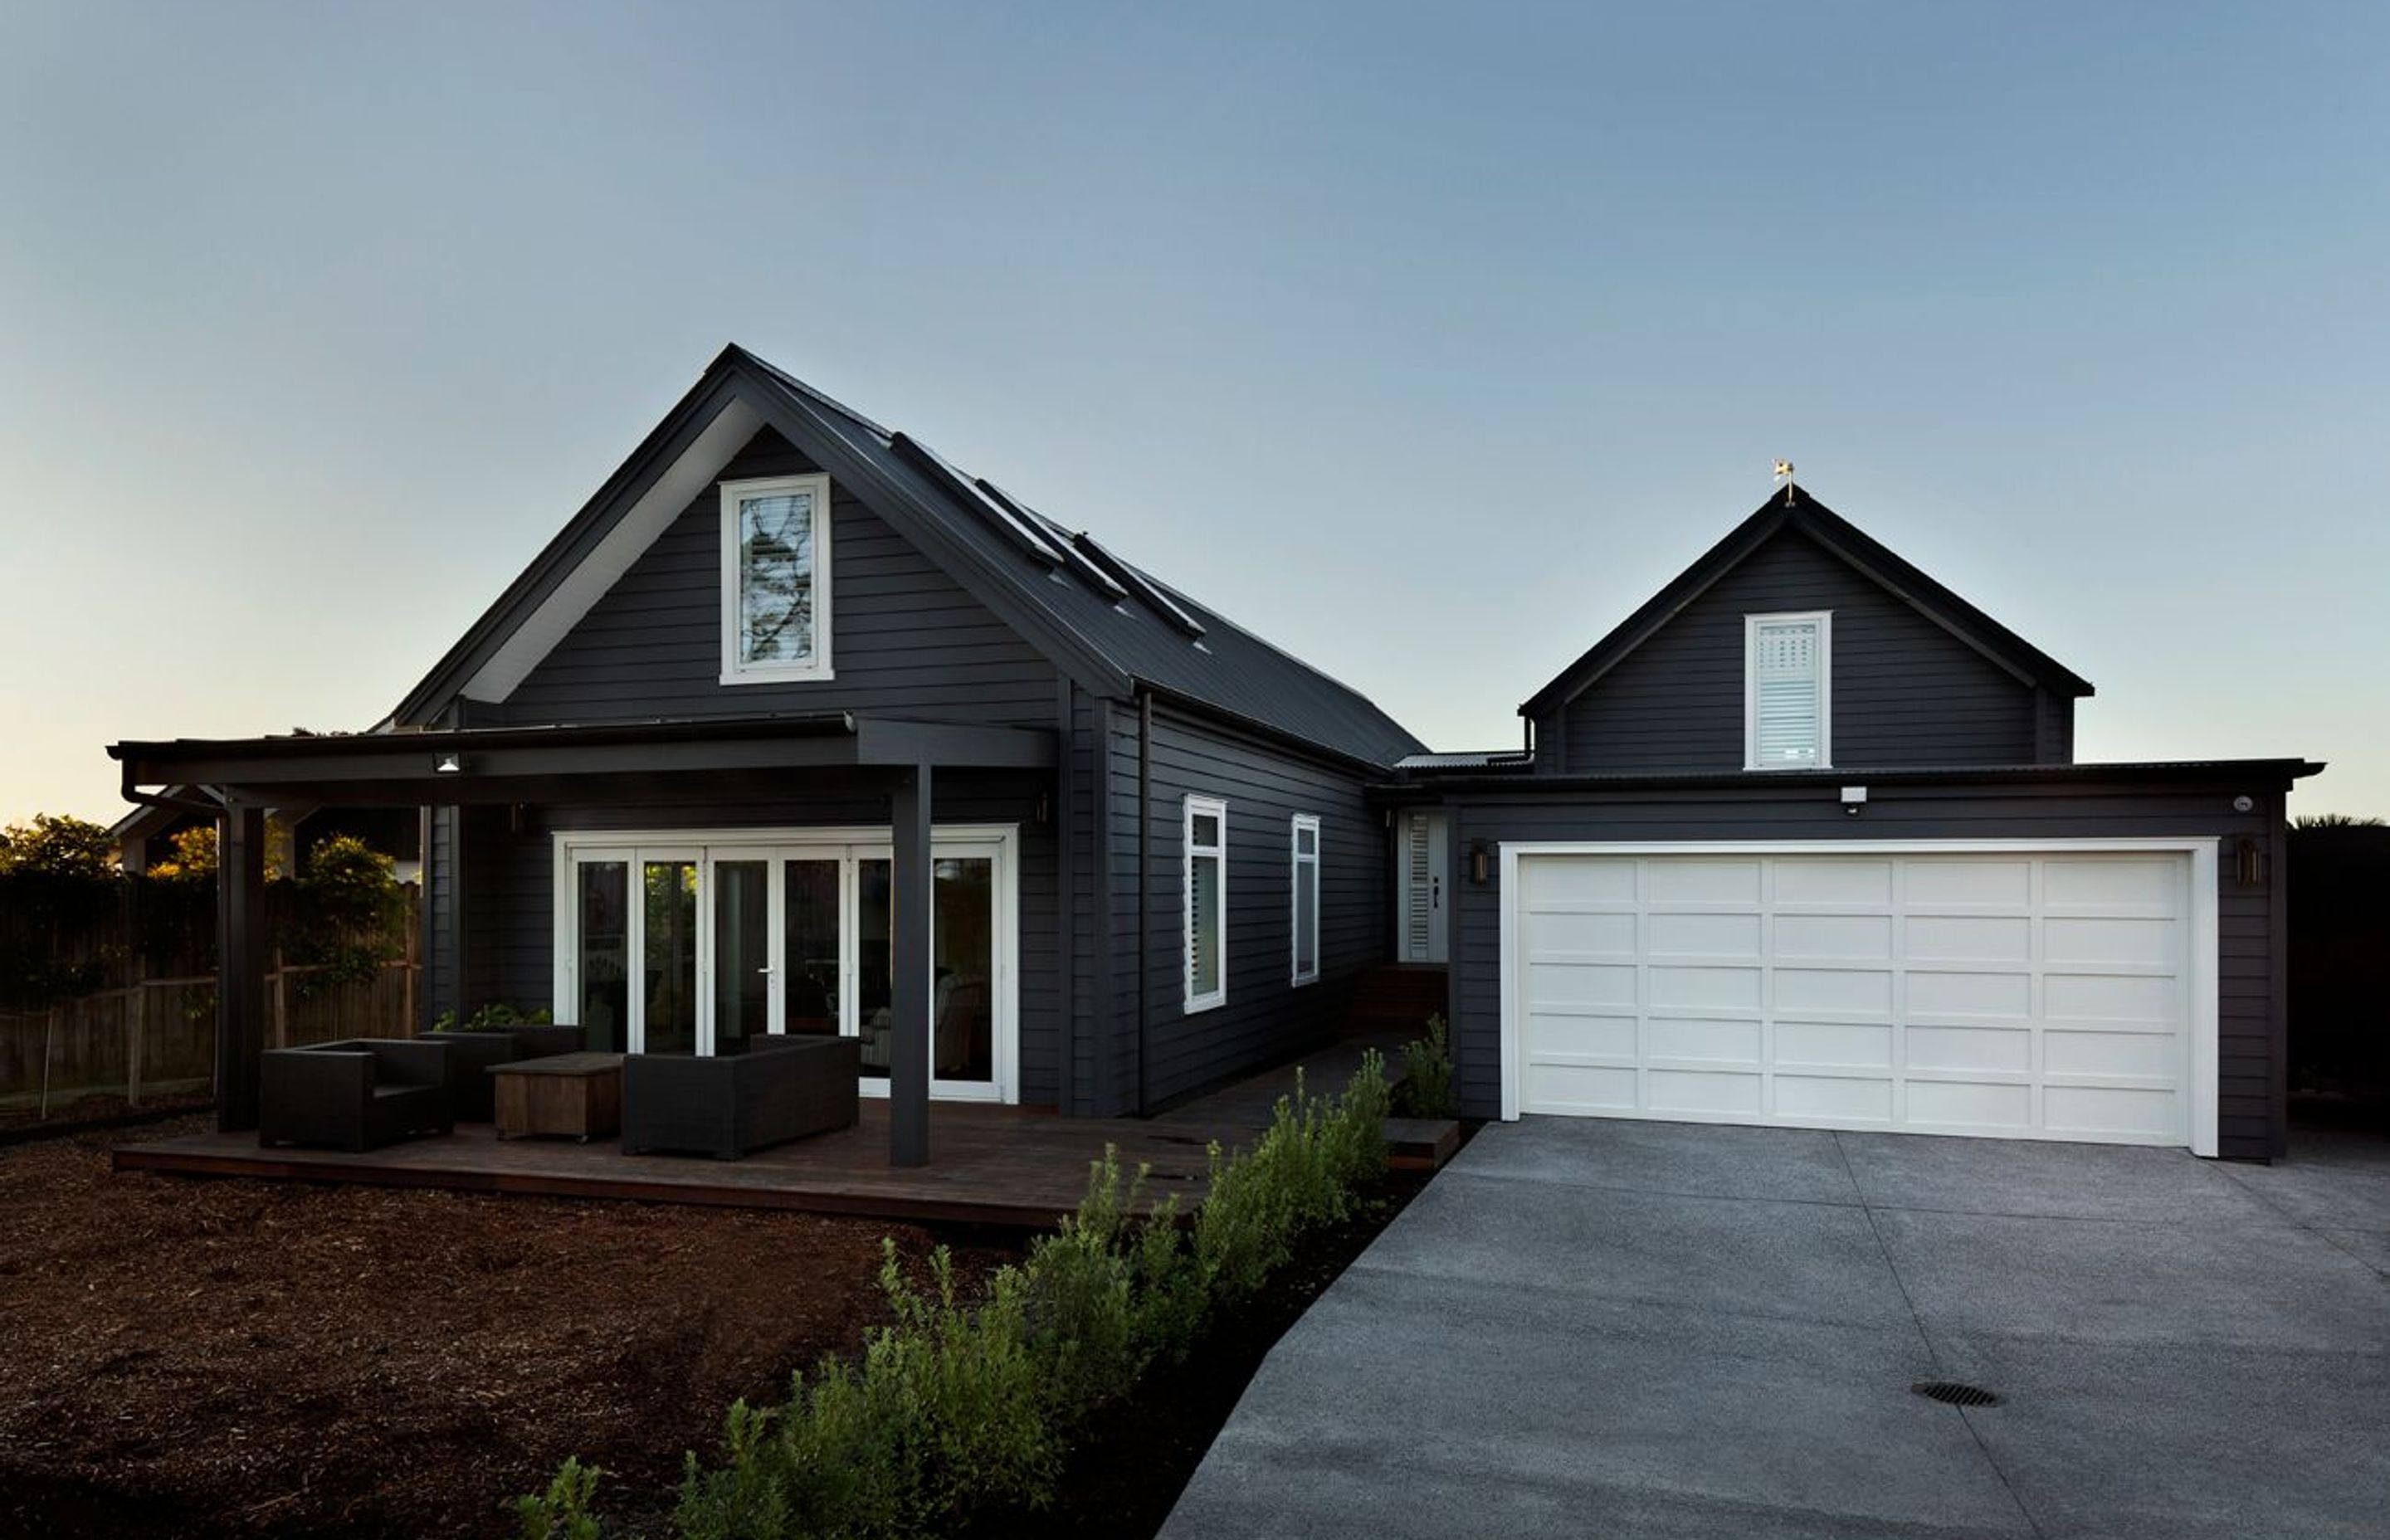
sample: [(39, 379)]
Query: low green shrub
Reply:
[(496, 1013), (1425, 1089), (957, 1409), (564, 1510)]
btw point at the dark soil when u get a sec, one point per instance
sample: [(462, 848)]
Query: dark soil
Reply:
[(191, 1359)]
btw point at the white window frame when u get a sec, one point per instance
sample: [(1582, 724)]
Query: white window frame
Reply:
[(736, 670), (1192, 808), (1824, 621), (1297, 864)]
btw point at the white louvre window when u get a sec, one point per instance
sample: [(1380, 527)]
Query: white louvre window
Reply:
[(1305, 856), (1787, 699), (776, 580), (1207, 903)]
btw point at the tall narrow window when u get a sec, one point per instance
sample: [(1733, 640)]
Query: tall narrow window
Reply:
[(1788, 696), (1305, 855), (776, 580), (1207, 903)]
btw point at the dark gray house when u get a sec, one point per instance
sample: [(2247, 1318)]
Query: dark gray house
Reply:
[(798, 729), (1803, 841)]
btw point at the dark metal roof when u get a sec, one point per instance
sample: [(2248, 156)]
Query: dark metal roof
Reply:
[(1482, 759), (1794, 510), (1106, 623)]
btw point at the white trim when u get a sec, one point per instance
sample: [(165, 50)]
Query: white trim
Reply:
[(734, 670), (848, 844), (1297, 862), (665, 500), (1824, 621), (2200, 967), (1189, 808)]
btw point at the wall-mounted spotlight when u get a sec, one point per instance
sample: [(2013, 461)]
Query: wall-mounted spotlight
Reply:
[(1481, 863), (1853, 799), (449, 764)]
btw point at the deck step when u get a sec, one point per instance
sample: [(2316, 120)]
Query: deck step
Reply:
[(1397, 994), (1420, 1144)]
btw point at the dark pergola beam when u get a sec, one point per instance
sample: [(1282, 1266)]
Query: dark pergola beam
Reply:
[(910, 992)]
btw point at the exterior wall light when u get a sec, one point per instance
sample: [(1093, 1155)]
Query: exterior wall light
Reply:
[(1481, 863), (1853, 799), (448, 764)]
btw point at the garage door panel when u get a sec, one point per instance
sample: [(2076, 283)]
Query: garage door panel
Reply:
[(1832, 880), (1976, 882), (2077, 940), (1830, 1045), (1581, 934), (1693, 988), (1999, 1050), (1578, 878), (1833, 938), (1583, 1089), (2108, 880), (2148, 1055), (1834, 991), (1574, 983), (1694, 1037), (1700, 880), (1953, 993), (1969, 1104), (1839, 1099), (1705, 1092), (2110, 997), (1704, 935), (2153, 1113), (1561, 1039), (1969, 938)]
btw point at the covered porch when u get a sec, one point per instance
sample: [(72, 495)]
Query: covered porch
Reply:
[(836, 768)]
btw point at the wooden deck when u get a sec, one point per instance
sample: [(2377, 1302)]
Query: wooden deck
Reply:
[(988, 1165)]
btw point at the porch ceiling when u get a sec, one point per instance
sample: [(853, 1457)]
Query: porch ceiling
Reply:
[(501, 765)]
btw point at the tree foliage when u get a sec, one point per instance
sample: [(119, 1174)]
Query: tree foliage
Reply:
[(57, 846)]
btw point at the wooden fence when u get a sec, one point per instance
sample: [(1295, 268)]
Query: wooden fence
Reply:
[(146, 1037)]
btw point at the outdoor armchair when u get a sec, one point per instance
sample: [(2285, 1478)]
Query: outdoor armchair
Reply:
[(781, 1089), (357, 1094)]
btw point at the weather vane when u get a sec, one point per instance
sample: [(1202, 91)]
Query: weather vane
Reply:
[(1785, 478)]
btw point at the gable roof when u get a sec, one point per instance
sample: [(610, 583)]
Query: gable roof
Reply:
[(1107, 625), (1794, 511)]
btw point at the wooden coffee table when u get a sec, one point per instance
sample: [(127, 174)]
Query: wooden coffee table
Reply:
[(579, 1094)]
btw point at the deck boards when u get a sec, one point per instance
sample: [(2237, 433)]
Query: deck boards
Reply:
[(988, 1165)]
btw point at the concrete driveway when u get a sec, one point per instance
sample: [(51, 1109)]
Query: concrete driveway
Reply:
[(1615, 1328)]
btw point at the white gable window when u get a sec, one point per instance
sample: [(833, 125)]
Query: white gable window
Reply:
[(1788, 694), (1303, 852), (776, 580), (1207, 903)]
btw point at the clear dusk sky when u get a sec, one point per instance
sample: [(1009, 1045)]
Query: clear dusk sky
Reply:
[(1424, 341)]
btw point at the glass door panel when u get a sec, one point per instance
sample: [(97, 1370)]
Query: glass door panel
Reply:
[(875, 962), (602, 967), (669, 955), (742, 953), (962, 954), (811, 945)]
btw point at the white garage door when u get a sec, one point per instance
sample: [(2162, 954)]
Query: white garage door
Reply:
[(2040, 995)]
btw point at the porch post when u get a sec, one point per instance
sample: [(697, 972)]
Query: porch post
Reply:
[(909, 992), (240, 963)]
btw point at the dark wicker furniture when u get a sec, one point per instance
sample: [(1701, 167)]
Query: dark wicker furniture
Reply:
[(357, 1094), (781, 1088), (470, 1055), (539, 1039)]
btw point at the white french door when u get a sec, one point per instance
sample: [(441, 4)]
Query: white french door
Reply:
[(698, 942)]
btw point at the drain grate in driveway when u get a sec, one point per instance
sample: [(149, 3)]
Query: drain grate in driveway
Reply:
[(1951, 1394)]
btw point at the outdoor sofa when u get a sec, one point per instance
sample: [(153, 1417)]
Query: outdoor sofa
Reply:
[(782, 1088), (359, 1092)]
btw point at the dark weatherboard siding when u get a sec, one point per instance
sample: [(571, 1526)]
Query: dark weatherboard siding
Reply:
[(2249, 941), (905, 640), (1906, 691), (1266, 1017)]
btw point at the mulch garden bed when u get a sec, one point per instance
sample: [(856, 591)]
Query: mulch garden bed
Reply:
[(185, 1358), (198, 1358)]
